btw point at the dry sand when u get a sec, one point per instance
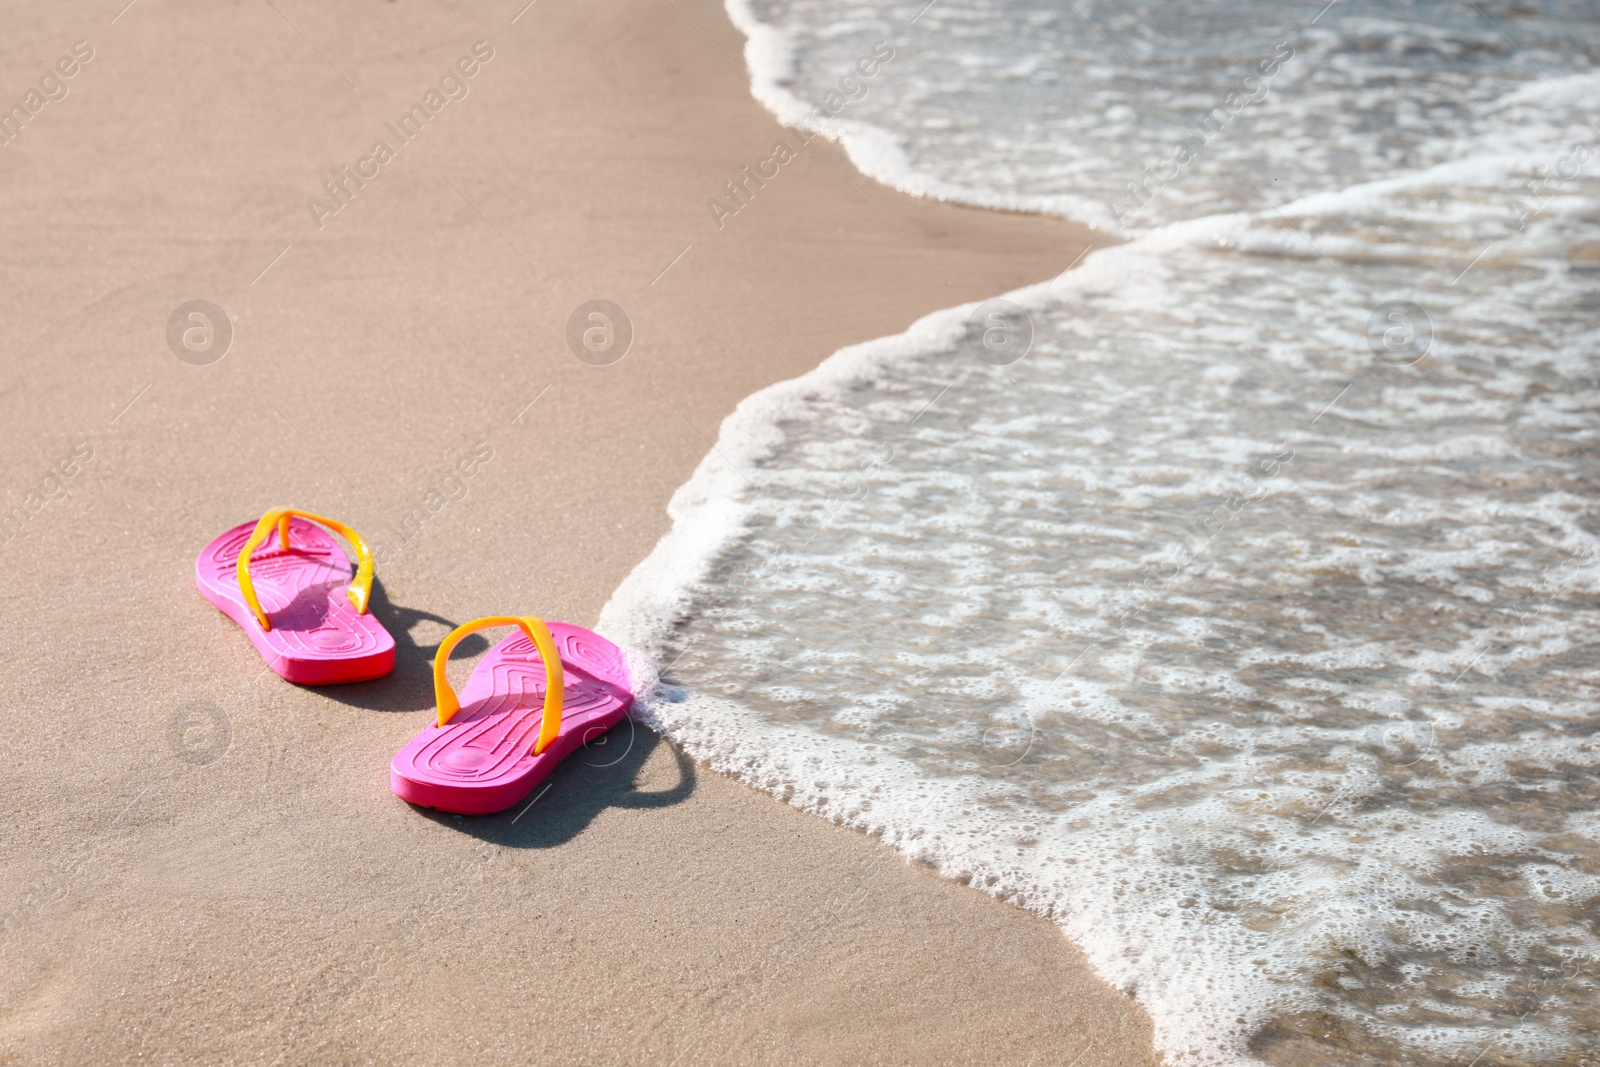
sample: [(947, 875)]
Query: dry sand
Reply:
[(244, 888)]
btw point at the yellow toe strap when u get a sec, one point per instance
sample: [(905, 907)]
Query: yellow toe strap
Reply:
[(360, 590), (539, 634)]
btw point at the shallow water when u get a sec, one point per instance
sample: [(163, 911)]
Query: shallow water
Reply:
[(1230, 599), (1061, 107)]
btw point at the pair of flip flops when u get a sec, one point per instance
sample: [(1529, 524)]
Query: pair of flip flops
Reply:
[(534, 698)]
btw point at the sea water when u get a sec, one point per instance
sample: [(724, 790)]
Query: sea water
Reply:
[(1230, 599)]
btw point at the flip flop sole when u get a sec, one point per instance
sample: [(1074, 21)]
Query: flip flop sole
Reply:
[(317, 636), (482, 761)]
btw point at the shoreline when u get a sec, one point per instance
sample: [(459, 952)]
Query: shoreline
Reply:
[(211, 865)]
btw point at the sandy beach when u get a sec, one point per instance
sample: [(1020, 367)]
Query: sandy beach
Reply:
[(205, 863)]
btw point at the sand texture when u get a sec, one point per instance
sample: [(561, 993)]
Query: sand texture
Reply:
[(204, 863)]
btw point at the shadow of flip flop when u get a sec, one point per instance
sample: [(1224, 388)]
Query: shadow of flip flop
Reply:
[(409, 687), (596, 777)]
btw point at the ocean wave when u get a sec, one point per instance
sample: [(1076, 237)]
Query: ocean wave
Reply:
[(1232, 609)]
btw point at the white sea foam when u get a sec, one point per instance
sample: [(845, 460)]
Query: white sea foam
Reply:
[(1244, 627), (1001, 103)]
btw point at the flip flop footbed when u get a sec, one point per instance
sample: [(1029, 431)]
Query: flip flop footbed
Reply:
[(482, 761), (317, 635)]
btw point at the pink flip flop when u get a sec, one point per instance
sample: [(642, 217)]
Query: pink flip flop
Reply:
[(296, 600), (531, 701)]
